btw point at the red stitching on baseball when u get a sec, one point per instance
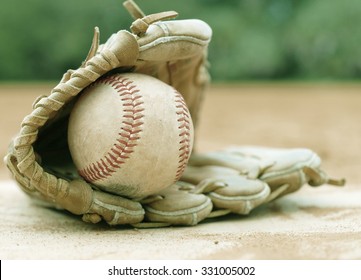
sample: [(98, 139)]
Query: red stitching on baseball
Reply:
[(111, 162), (129, 130), (184, 134)]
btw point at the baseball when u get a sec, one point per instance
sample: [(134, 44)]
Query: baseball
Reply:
[(130, 134)]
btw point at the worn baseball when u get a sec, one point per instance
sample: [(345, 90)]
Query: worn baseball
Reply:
[(130, 134)]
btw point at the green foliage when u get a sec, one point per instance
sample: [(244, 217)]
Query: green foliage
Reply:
[(252, 39), (41, 39), (325, 39)]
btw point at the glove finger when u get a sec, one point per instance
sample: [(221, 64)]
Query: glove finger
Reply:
[(193, 40), (227, 188), (116, 210), (287, 171), (241, 195), (178, 207), (291, 168)]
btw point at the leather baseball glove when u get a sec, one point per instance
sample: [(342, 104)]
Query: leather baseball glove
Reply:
[(175, 52)]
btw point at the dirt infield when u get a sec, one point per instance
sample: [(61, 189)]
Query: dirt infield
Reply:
[(322, 117)]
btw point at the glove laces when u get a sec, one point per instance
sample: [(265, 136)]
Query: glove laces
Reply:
[(142, 21)]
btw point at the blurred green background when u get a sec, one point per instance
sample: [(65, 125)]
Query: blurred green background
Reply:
[(252, 39)]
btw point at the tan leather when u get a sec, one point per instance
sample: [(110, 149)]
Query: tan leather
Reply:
[(178, 205), (283, 170), (39, 158), (174, 51)]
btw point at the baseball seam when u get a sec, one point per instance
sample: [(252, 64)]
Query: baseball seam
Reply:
[(184, 134), (129, 134)]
